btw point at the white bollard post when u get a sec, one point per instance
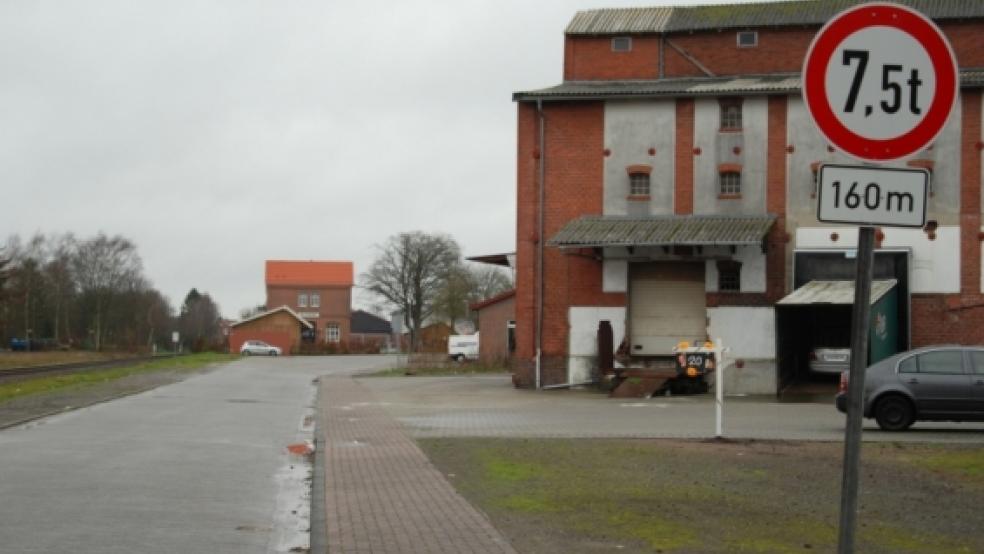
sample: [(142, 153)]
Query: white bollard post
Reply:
[(718, 389)]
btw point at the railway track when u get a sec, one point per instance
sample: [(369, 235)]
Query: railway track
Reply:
[(21, 373)]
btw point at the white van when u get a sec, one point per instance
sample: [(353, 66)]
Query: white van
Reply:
[(463, 347)]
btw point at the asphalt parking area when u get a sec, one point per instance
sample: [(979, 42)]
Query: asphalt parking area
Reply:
[(488, 406)]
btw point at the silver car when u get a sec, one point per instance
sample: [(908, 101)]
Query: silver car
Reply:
[(941, 383), (825, 359), (258, 347)]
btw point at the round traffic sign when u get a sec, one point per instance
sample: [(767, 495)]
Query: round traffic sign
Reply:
[(880, 81)]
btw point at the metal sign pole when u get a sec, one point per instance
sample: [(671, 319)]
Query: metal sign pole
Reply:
[(718, 389), (859, 360)]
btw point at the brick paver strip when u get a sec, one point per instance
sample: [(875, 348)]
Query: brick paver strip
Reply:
[(382, 495)]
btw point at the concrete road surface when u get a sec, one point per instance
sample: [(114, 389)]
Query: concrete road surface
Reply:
[(200, 466), (488, 406)]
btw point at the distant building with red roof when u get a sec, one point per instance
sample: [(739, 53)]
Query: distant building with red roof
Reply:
[(320, 292)]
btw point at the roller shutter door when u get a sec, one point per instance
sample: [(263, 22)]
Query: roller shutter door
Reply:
[(667, 305)]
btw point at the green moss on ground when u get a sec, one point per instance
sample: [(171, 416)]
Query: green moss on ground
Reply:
[(596, 495)]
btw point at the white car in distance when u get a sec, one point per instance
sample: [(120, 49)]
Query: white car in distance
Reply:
[(259, 348)]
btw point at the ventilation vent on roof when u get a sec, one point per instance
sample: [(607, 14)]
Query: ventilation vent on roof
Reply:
[(622, 44), (748, 39)]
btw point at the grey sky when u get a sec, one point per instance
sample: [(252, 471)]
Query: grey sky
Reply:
[(219, 134)]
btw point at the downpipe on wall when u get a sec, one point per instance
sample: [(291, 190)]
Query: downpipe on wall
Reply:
[(541, 177)]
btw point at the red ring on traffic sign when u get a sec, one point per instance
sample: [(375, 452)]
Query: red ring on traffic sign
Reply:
[(821, 52)]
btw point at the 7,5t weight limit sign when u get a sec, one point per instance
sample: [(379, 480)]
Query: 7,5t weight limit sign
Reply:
[(880, 81)]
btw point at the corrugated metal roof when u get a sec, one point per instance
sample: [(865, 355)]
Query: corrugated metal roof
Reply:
[(834, 292), (684, 230), (695, 86), (623, 20), (730, 16), (698, 86)]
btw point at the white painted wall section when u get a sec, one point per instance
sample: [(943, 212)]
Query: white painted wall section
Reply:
[(752, 270), (632, 127), (749, 332), (935, 263), (583, 347), (615, 276)]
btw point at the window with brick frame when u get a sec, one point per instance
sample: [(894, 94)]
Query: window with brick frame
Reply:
[(302, 300), (729, 276), (333, 333), (729, 180), (639, 187), (315, 299), (621, 44), (731, 119)]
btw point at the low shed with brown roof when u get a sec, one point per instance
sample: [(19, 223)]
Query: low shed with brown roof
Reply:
[(497, 324), (280, 327)]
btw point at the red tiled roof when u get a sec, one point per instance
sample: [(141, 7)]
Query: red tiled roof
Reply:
[(494, 300), (310, 273)]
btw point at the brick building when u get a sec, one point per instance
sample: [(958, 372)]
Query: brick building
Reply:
[(280, 327), (497, 324), (320, 292), (667, 185)]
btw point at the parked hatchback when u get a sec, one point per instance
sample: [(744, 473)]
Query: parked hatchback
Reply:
[(826, 359), (934, 383), (258, 347)]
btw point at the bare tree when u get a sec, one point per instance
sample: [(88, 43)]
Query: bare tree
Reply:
[(410, 271), (104, 267), (199, 320), (247, 313), (490, 281), (451, 302)]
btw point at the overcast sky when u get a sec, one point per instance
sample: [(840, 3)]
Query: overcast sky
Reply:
[(219, 134)]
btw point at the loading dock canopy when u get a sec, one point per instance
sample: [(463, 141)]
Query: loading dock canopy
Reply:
[(595, 231), (834, 292)]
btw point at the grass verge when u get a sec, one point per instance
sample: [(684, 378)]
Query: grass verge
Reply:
[(10, 360), (588, 495), (49, 383)]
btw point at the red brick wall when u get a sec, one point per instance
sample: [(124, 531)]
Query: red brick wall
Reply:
[(493, 337), (775, 198), (589, 58), (970, 194), (574, 162), (683, 170), (279, 329), (526, 230), (335, 307), (779, 50)]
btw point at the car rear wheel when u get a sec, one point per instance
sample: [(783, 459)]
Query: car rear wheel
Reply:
[(273, 352), (894, 413)]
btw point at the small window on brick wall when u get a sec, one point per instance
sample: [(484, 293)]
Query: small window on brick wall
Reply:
[(622, 44), (729, 181), (639, 184), (639, 181), (333, 333), (748, 39), (731, 114), (729, 276)]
